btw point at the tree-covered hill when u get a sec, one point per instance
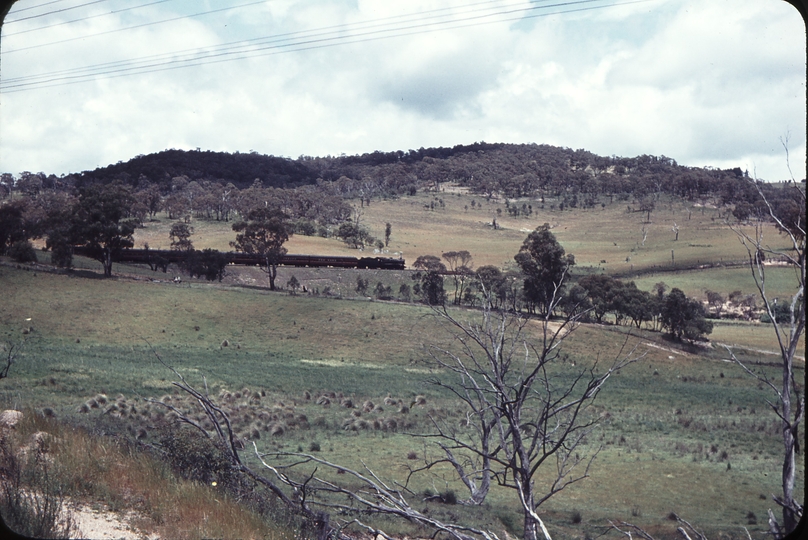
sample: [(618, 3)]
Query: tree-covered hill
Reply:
[(211, 183), (237, 168), (508, 169)]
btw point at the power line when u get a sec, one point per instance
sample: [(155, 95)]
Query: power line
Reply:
[(315, 41), (263, 40), (135, 26), (87, 18), (38, 6), (55, 11)]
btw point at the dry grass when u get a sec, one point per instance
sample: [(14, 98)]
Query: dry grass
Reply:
[(593, 235), (95, 469)]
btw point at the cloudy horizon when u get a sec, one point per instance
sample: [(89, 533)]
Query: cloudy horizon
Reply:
[(713, 83)]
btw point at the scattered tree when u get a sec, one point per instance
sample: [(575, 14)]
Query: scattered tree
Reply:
[(263, 233), (715, 301), (388, 229), (355, 236), (100, 222), (460, 267), (180, 236), (404, 292), (12, 225), (293, 284), (544, 265), (382, 292), (493, 284), (361, 285), (208, 263), (22, 251), (430, 263), (432, 290), (684, 317)]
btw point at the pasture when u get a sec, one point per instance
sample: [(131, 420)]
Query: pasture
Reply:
[(683, 430), (607, 233)]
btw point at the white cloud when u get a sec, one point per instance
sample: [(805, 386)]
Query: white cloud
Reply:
[(706, 83)]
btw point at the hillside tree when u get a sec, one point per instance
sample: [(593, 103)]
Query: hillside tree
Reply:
[(101, 223), (208, 263), (12, 225), (263, 233), (544, 265), (684, 317), (180, 236), (431, 279), (460, 265)]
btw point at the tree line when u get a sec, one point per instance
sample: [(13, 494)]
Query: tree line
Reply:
[(542, 284)]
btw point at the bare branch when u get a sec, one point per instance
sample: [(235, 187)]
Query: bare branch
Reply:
[(10, 357), (627, 525)]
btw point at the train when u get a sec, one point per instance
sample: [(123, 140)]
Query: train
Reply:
[(166, 256)]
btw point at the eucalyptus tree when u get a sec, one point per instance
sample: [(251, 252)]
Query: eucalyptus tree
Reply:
[(263, 233)]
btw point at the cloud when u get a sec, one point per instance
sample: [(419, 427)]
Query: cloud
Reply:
[(709, 82)]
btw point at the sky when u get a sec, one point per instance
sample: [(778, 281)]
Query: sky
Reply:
[(709, 83)]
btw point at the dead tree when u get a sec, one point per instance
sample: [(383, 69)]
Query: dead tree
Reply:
[(790, 403), (520, 417)]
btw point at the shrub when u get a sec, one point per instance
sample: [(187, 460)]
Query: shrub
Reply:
[(194, 457), (576, 517), (62, 255), (22, 251), (314, 447)]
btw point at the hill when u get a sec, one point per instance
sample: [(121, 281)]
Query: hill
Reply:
[(486, 168)]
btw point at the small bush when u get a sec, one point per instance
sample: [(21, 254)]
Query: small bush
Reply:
[(22, 251), (314, 446), (448, 497), (194, 457), (576, 517)]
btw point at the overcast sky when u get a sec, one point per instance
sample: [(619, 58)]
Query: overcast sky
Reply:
[(706, 82)]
